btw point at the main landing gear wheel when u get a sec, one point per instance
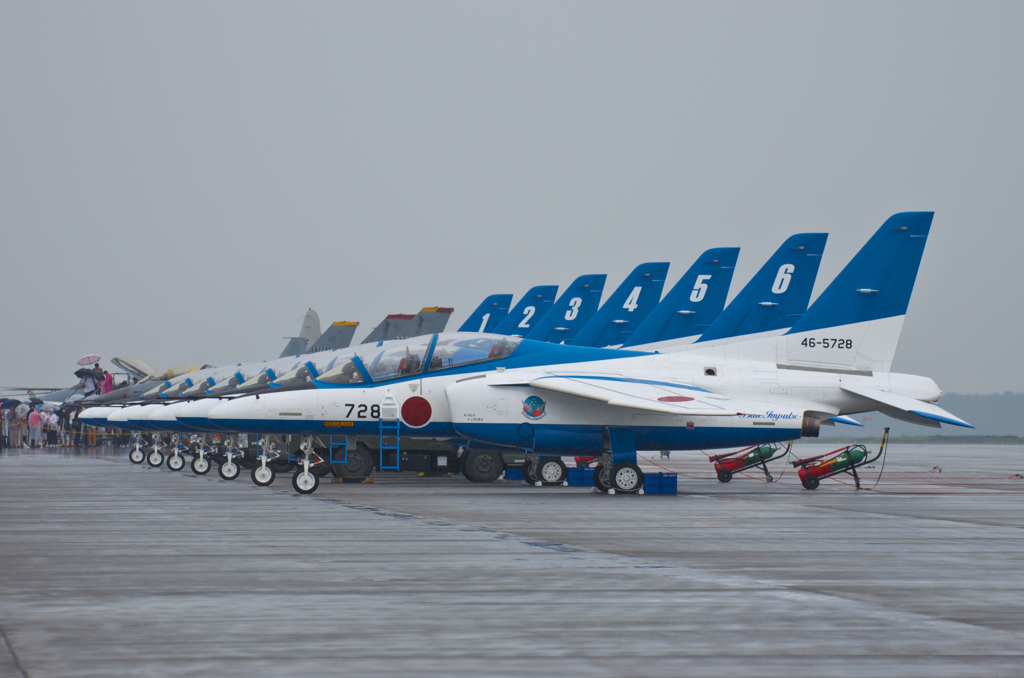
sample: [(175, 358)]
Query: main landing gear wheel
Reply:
[(483, 466), (810, 482), (627, 477), (200, 466), (552, 471), (263, 475), (305, 482), (175, 462), (229, 470), (724, 476), (136, 456), (155, 458), (359, 465), (529, 477), (283, 466), (601, 480)]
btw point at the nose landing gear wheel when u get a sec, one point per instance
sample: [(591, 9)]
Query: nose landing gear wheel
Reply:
[(263, 475), (305, 482), (552, 471), (627, 477), (155, 458), (136, 456), (810, 482), (175, 462), (528, 475), (724, 476), (200, 466), (229, 470), (601, 479)]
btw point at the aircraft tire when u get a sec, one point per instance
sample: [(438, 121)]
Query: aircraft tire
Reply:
[(483, 466), (724, 476), (263, 476), (229, 470), (305, 482), (136, 456), (282, 466), (200, 466), (599, 482), (810, 482), (528, 476), (175, 462), (627, 477), (155, 458), (359, 465), (552, 471)]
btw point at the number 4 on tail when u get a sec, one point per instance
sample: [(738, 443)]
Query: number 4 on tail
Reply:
[(632, 301)]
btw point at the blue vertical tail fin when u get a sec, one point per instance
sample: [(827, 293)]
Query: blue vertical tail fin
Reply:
[(856, 322), (626, 308), (775, 297), (571, 312), (530, 309), (488, 314), (693, 304)]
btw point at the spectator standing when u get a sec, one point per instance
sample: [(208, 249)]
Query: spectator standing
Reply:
[(76, 426), (52, 426), (108, 383), (35, 423), (13, 429)]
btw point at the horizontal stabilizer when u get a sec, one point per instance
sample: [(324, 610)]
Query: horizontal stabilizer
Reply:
[(907, 406)]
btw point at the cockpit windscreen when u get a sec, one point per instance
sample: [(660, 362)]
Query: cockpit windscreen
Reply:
[(459, 349)]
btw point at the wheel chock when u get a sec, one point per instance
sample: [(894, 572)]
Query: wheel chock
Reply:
[(337, 480)]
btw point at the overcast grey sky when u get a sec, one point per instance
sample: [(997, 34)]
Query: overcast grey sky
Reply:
[(180, 181)]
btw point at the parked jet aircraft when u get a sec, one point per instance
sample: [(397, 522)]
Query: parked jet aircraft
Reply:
[(552, 400), (579, 303)]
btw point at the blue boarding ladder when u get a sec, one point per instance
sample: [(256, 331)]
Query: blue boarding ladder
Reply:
[(343, 445), (389, 426)]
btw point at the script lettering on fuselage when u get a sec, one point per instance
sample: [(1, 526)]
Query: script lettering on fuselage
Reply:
[(771, 414)]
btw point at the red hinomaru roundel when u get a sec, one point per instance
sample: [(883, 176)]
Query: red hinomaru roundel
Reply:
[(416, 411)]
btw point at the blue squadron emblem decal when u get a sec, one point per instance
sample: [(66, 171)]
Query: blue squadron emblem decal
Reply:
[(533, 408)]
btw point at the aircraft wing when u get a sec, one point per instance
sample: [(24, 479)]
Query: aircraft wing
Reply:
[(907, 409), (639, 394)]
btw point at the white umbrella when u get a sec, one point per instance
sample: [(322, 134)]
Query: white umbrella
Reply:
[(88, 359)]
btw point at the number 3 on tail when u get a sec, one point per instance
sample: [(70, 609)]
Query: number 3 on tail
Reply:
[(574, 308)]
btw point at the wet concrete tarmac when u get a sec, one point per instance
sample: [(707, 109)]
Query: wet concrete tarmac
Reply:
[(111, 569)]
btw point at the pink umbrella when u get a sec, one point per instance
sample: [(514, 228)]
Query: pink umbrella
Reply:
[(88, 359)]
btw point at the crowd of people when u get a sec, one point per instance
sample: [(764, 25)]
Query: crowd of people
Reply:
[(57, 425), (37, 426)]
